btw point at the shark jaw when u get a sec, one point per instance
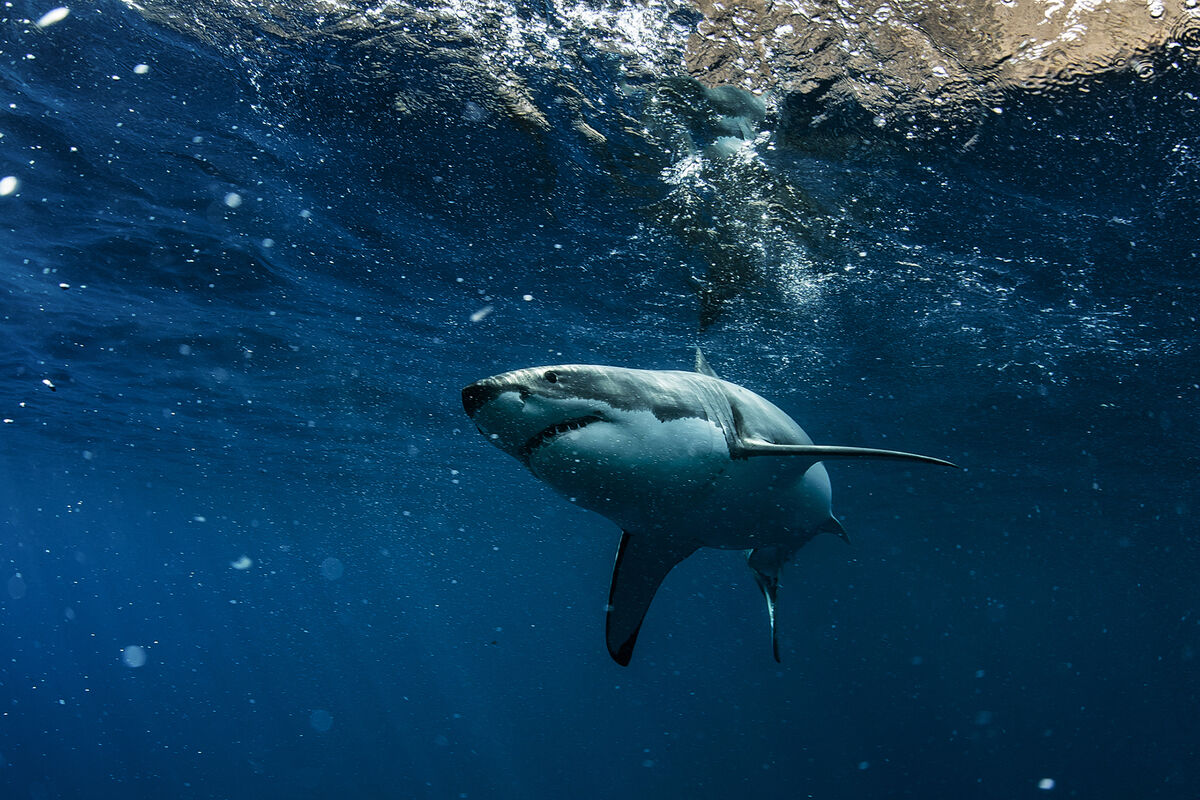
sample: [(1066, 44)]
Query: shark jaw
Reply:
[(552, 432)]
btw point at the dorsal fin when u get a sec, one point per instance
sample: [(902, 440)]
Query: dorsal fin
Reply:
[(702, 365)]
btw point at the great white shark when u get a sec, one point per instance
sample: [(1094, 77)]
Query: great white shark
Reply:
[(679, 460)]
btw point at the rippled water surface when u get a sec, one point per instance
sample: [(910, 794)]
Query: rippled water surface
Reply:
[(251, 546)]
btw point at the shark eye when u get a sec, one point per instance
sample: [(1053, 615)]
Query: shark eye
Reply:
[(551, 377)]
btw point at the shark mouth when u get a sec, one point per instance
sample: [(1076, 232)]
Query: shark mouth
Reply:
[(552, 432)]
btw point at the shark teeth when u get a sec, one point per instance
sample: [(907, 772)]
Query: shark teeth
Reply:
[(551, 432)]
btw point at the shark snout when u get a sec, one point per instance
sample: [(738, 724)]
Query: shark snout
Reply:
[(478, 395)]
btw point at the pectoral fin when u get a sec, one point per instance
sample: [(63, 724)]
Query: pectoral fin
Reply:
[(642, 564), (822, 452)]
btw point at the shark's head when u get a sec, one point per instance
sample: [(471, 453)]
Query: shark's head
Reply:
[(526, 410), (603, 436)]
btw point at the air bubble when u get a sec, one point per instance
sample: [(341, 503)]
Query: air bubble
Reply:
[(473, 112), (1187, 32), (1142, 68), (133, 656), (53, 17)]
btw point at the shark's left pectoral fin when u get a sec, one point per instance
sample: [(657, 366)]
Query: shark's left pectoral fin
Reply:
[(820, 452), (642, 564)]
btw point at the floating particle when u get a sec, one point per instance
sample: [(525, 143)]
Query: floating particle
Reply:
[(233, 199), (332, 568), (1046, 784), (16, 587), (141, 69), (245, 562), (53, 17), (8, 185), (479, 315), (864, 765), (133, 656), (527, 297), (49, 384), (320, 720)]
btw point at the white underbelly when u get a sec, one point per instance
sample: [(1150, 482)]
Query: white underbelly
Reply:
[(755, 503)]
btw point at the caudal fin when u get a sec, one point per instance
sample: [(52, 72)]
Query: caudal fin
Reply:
[(765, 563)]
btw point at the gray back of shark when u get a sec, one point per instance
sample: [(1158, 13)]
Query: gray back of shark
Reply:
[(679, 460)]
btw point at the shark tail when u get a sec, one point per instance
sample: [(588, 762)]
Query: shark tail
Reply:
[(765, 563), (832, 525)]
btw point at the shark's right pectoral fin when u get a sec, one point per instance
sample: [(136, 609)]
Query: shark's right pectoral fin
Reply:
[(642, 564), (748, 448)]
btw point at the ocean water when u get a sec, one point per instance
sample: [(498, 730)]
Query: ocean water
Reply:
[(250, 546)]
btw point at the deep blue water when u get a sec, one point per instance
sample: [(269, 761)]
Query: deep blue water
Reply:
[(237, 308)]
